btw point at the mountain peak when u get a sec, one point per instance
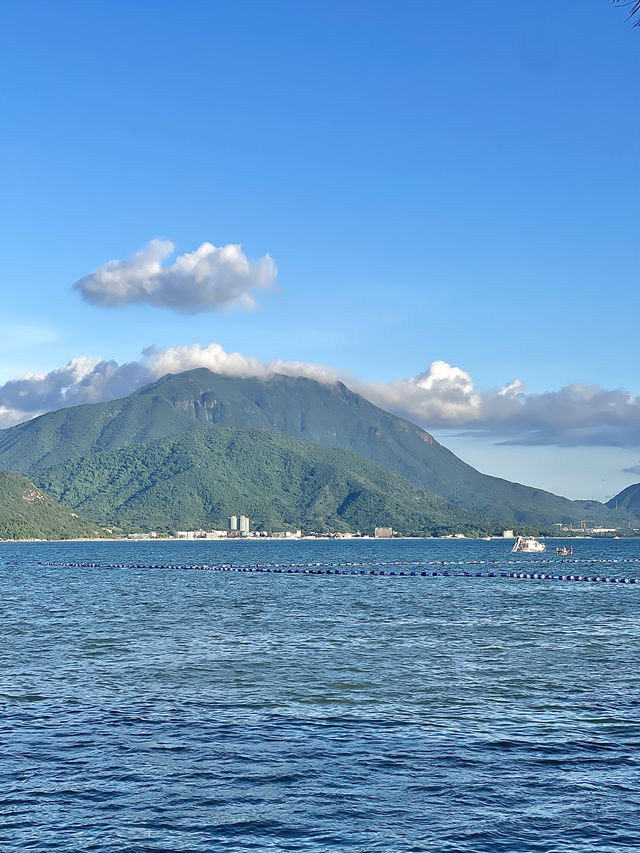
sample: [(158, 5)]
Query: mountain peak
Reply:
[(628, 499)]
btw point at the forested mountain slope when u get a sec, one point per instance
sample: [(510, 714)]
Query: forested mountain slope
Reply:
[(198, 479), (27, 513)]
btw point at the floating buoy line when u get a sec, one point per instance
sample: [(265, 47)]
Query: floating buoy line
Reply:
[(396, 568)]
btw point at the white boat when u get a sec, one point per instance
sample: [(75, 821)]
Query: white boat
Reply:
[(528, 545)]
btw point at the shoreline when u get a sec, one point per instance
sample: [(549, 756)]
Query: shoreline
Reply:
[(234, 540)]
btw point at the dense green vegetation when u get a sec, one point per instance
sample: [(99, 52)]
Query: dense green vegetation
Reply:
[(330, 415), (27, 513), (199, 479), (628, 500)]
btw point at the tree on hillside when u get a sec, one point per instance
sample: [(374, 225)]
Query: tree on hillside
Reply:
[(634, 10)]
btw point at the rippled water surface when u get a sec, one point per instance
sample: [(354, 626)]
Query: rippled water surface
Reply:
[(161, 710)]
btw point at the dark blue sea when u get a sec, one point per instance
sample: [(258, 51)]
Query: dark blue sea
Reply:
[(158, 709)]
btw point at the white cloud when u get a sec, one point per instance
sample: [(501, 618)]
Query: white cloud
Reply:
[(213, 357), (208, 279), (442, 395), (444, 398), (441, 398), (82, 380), (9, 417), (217, 360)]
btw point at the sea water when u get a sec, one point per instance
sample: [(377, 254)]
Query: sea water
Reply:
[(152, 709)]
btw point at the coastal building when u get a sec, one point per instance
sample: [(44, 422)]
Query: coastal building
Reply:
[(383, 532), (233, 522), (243, 525), (201, 534)]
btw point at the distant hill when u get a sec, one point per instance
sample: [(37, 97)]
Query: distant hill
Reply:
[(27, 513), (198, 479), (628, 500), (330, 415)]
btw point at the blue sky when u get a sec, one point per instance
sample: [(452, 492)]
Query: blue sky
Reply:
[(435, 182)]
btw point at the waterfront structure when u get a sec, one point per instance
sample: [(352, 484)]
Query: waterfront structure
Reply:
[(243, 525), (201, 534), (233, 522), (383, 532)]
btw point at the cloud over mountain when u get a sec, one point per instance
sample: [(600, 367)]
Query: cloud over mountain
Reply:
[(82, 380), (443, 397), (578, 414), (208, 279)]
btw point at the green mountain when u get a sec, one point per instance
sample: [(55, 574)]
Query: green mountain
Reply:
[(628, 500), (27, 513), (198, 479), (330, 415)]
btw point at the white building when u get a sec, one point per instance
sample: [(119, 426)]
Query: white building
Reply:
[(383, 532)]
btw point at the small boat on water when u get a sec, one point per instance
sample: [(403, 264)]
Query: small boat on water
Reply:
[(528, 545), (563, 551)]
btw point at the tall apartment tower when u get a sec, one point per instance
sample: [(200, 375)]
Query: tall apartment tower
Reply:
[(243, 525), (233, 522)]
